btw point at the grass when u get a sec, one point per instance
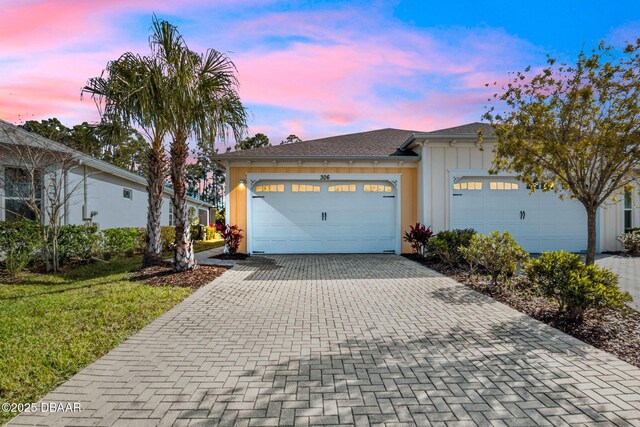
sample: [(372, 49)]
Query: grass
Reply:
[(203, 245), (51, 326)]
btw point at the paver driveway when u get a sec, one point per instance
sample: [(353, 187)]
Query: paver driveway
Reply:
[(348, 339)]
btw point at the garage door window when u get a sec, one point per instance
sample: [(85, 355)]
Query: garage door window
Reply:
[(270, 188), (468, 185), (500, 185), (303, 188), (345, 188), (377, 188)]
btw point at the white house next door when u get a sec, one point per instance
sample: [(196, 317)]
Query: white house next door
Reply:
[(308, 216)]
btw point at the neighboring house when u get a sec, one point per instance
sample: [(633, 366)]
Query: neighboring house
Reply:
[(116, 196), (360, 192)]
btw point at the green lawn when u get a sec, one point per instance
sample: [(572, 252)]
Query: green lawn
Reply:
[(200, 245), (53, 325)]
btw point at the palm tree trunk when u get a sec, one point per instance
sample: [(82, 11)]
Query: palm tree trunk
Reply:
[(156, 168), (184, 257)]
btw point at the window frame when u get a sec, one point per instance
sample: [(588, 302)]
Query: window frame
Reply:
[(19, 199), (124, 190), (627, 209)]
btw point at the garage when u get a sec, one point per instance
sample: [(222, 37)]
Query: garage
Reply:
[(323, 216), (538, 222)]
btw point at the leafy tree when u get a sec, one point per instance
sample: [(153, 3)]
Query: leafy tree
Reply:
[(132, 91), (577, 126), (256, 141), (290, 139), (109, 141), (201, 102)]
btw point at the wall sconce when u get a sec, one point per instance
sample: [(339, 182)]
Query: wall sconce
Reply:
[(242, 182)]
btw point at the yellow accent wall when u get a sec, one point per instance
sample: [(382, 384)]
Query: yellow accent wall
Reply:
[(238, 193)]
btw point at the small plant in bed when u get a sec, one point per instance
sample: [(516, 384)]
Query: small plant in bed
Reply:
[(232, 235)]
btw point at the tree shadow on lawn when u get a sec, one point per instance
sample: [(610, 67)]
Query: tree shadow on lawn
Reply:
[(515, 371)]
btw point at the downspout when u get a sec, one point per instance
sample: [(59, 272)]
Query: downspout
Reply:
[(85, 195)]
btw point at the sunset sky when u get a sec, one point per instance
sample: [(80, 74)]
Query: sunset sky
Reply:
[(310, 68)]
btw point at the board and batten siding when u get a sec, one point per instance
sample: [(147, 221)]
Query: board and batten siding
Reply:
[(442, 158), (238, 193)]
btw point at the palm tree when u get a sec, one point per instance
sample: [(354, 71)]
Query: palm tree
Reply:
[(132, 91), (202, 103)]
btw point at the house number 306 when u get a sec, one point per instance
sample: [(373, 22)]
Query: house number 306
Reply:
[(325, 177)]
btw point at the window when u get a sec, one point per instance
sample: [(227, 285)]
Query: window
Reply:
[(344, 188), (127, 193), (21, 187), (502, 185), (628, 208), (377, 188), (171, 214), (269, 188), (468, 185), (304, 188)]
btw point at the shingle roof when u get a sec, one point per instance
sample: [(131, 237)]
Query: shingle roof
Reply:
[(375, 143), (372, 144), (468, 129)]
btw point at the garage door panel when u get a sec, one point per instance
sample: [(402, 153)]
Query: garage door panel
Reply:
[(538, 221), (293, 222)]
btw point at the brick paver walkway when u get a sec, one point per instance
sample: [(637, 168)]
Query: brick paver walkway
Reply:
[(628, 271), (352, 339)]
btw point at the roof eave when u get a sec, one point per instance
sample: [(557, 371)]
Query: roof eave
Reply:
[(439, 137)]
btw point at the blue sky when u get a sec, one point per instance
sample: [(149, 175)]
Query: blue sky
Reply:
[(310, 68)]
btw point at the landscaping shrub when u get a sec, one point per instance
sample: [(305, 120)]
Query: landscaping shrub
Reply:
[(210, 232), (574, 286), (232, 236), (121, 241), (77, 243), (418, 236), (194, 230), (19, 244), (497, 254), (219, 218), (631, 241), (168, 237), (445, 246)]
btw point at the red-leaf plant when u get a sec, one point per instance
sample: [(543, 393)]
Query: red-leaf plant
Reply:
[(232, 236), (418, 236)]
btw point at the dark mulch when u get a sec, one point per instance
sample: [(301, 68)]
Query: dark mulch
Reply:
[(615, 331), (235, 257), (164, 275)]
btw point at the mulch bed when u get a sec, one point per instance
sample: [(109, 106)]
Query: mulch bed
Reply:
[(614, 331), (164, 275), (235, 257)]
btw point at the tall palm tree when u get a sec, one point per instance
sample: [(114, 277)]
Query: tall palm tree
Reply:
[(132, 90), (202, 103)]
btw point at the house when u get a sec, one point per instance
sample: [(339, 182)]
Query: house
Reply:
[(360, 192), (98, 191)]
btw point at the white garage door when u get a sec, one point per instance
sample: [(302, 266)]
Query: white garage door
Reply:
[(539, 222), (323, 217)]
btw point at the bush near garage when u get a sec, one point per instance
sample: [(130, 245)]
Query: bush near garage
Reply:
[(20, 244), (445, 246), (497, 254), (631, 241), (232, 235), (418, 236), (575, 287)]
